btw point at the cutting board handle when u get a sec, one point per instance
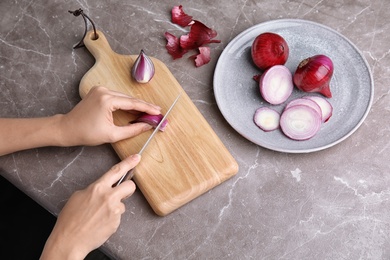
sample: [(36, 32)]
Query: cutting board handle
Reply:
[(106, 63), (99, 48)]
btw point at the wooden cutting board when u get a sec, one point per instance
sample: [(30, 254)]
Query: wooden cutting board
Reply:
[(181, 163)]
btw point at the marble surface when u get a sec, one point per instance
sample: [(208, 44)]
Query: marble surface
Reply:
[(331, 204)]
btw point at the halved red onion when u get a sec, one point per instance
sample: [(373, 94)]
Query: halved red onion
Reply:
[(300, 122), (276, 84), (266, 119), (152, 120)]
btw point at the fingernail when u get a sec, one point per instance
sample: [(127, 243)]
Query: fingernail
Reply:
[(135, 157), (147, 127)]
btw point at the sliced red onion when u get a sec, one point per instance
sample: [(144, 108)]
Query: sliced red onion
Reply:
[(300, 122), (266, 119), (143, 68), (276, 84), (326, 107), (305, 102), (152, 120)]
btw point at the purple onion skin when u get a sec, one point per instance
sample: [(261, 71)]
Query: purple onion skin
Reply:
[(152, 120), (269, 49), (314, 74)]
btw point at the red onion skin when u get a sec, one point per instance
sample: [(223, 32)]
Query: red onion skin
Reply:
[(314, 74), (269, 49)]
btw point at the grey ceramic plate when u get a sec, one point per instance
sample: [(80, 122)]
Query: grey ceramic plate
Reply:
[(238, 96)]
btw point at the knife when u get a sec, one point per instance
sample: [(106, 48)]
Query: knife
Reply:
[(130, 173)]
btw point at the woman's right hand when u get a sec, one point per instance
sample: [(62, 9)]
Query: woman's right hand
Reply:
[(91, 215)]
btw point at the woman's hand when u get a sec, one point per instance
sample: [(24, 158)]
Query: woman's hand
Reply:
[(91, 215), (91, 121)]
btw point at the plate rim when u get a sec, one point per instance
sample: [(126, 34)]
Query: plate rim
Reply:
[(302, 21)]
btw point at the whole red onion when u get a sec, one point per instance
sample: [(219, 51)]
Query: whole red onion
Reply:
[(269, 49), (314, 74)]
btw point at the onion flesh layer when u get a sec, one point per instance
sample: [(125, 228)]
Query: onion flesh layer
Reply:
[(300, 122), (266, 119), (276, 84)]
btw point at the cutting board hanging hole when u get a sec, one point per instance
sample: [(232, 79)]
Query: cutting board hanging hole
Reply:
[(86, 18), (94, 37)]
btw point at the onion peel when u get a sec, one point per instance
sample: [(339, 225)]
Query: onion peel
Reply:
[(198, 36), (203, 57), (179, 17), (173, 46)]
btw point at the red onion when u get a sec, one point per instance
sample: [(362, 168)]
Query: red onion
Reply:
[(269, 49), (276, 84), (314, 74), (152, 120)]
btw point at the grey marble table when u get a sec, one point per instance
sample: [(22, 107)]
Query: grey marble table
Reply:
[(331, 204)]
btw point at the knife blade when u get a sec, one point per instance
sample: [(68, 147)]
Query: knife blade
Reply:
[(130, 173)]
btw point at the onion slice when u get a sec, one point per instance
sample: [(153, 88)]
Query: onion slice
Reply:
[(152, 120), (300, 122), (276, 84), (305, 102), (326, 107), (266, 119)]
